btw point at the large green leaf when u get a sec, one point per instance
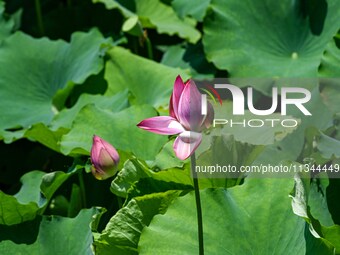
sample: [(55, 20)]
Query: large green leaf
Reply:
[(118, 128), (330, 61), (36, 75), (331, 94), (155, 14), (254, 218), (5, 26), (316, 246), (328, 146), (112, 4), (150, 82), (196, 9), (113, 103), (134, 171), (122, 233), (26, 203), (166, 158), (163, 17), (8, 24), (52, 181), (317, 200), (308, 203), (173, 56), (61, 124), (330, 68), (44, 135), (264, 38), (190, 58), (36, 190), (57, 235)]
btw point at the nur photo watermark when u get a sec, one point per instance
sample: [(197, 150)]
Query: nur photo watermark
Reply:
[(267, 128)]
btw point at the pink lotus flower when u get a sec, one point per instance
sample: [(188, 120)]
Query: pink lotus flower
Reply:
[(104, 158), (185, 119)]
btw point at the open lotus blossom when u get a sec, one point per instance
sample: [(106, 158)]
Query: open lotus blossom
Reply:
[(104, 158), (185, 118)]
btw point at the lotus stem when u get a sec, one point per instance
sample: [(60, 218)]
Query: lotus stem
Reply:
[(82, 187), (39, 17), (198, 205)]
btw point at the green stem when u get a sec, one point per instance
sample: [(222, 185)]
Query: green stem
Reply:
[(239, 179), (39, 17), (82, 187), (149, 47), (135, 46), (198, 206)]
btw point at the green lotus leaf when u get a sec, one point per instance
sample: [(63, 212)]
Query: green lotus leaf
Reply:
[(8, 25), (118, 128), (134, 171), (54, 235), (26, 203), (149, 82), (36, 190), (309, 202), (330, 61), (240, 220), (328, 146), (155, 14), (196, 9), (38, 74), (123, 231), (266, 38), (188, 59), (112, 4)]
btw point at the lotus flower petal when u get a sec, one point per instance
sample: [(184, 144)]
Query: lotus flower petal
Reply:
[(163, 125), (189, 110), (175, 97), (186, 143)]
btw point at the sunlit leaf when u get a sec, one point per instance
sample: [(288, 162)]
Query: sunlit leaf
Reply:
[(153, 13), (122, 233), (188, 59), (149, 82), (328, 146), (112, 4), (301, 207), (266, 39), (240, 220), (57, 235), (134, 171), (42, 73), (330, 61), (196, 9), (118, 128)]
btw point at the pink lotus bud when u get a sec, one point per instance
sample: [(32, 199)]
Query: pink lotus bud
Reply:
[(104, 158)]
